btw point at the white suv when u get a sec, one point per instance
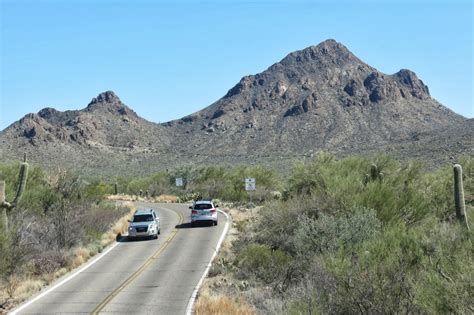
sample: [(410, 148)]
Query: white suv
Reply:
[(203, 211), (145, 223)]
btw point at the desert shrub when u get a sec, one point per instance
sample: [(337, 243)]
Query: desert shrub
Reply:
[(378, 278), (95, 190), (278, 221), (14, 251), (137, 184), (426, 269), (263, 263), (328, 234), (313, 292), (397, 193), (159, 185), (156, 184), (98, 219), (48, 262), (210, 182), (445, 281)]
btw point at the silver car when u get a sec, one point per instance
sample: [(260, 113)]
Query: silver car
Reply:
[(203, 211), (145, 223)]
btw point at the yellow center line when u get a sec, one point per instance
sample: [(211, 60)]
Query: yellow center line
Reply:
[(135, 275)]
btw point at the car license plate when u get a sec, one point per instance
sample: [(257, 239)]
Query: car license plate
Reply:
[(205, 213)]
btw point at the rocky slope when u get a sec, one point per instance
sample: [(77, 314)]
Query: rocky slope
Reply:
[(319, 98), (105, 136)]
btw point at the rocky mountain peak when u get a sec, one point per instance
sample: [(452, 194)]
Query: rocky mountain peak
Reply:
[(329, 61), (326, 53), (105, 97), (108, 101)]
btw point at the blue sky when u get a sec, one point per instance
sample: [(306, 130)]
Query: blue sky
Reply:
[(167, 59)]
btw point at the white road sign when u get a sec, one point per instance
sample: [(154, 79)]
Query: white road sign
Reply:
[(179, 181), (250, 184)]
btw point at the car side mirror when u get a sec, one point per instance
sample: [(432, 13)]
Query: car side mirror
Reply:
[(190, 207), (129, 221), (217, 206)]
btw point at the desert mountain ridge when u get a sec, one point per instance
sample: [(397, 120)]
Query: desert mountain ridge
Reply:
[(320, 98)]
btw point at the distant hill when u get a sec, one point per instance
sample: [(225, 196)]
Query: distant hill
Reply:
[(319, 98)]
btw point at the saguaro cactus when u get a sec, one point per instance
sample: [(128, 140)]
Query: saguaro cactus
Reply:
[(116, 189), (459, 195), (6, 206), (375, 174)]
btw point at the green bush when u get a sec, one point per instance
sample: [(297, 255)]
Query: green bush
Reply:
[(378, 278), (328, 234), (445, 280), (261, 262), (278, 222)]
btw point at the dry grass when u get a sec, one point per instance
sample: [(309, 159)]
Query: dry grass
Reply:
[(167, 199), (121, 197), (28, 287), (161, 198), (222, 305)]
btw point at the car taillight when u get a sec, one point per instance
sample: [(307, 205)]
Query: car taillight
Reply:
[(194, 212), (213, 210)]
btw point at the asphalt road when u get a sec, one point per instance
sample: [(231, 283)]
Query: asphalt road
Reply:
[(140, 277)]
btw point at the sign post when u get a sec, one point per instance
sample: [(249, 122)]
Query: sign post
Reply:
[(250, 185), (179, 182)]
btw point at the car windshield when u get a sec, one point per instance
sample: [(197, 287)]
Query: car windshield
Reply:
[(143, 218), (203, 206)]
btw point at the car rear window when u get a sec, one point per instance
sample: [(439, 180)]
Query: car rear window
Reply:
[(202, 206)]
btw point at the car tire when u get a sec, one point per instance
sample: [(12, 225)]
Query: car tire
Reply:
[(159, 231), (215, 223), (155, 236)]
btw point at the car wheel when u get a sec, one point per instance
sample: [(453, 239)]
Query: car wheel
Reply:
[(159, 231), (156, 236), (215, 223)]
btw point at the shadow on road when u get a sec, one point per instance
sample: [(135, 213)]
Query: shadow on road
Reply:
[(188, 225), (125, 239)]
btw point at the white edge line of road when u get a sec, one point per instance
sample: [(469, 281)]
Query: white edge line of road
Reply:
[(189, 308), (57, 285)]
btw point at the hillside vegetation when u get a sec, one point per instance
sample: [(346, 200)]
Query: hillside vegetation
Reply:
[(355, 236), (58, 224), (352, 235)]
